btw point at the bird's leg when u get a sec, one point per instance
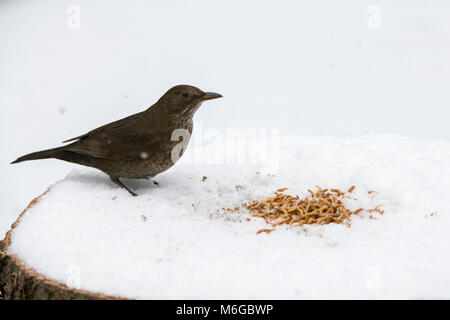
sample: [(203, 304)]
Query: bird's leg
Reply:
[(120, 184)]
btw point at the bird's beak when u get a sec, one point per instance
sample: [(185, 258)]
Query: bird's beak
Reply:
[(210, 96)]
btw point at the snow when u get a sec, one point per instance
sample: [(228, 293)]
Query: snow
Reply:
[(175, 241), (310, 66)]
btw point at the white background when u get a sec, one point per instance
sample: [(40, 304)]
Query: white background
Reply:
[(313, 67)]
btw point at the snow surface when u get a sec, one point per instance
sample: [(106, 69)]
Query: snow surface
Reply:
[(175, 241), (309, 65)]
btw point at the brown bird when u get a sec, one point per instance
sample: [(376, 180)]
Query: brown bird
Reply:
[(139, 146)]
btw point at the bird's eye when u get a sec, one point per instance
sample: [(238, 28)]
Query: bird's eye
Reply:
[(185, 95)]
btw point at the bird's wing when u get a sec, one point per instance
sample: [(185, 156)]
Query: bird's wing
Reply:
[(122, 123), (125, 139)]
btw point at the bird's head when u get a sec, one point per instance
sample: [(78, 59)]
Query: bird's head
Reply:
[(185, 99)]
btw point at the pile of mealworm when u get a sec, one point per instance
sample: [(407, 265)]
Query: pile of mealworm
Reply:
[(322, 207)]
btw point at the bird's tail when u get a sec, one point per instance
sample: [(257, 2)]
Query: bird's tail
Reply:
[(45, 154)]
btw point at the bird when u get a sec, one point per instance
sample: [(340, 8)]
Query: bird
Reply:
[(139, 146)]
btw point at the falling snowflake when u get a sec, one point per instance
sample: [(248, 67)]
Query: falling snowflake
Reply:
[(144, 155)]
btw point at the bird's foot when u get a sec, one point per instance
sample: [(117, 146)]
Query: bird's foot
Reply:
[(120, 184)]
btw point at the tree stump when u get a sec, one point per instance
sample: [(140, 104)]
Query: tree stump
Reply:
[(182, 239), (17, 281)]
